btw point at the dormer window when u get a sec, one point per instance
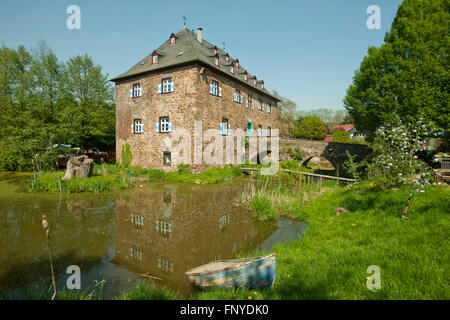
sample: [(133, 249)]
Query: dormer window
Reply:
[(254, 81), (227, 57), (232, 68), (216, 60), (172, 39), (246, 76), (154, 58), (262, 85), (237, 63), (215, 51)]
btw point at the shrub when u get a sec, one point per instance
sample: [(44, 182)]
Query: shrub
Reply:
[(341, 136), (184, 168), (311, 128), (126, 155)]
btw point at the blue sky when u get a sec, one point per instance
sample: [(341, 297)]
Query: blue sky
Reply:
[(306, 50)]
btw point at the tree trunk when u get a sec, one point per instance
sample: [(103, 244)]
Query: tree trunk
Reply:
[(405, 209), (81, 166)]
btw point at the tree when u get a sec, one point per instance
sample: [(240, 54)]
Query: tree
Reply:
[(396, 161), (408, 74), (44, 102), (341, 136), (311, 128), (286, 115), (91, 96)]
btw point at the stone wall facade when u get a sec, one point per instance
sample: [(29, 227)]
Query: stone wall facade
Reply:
[(190, 101)]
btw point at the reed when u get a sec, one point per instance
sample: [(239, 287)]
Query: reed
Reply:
[(47, 234)]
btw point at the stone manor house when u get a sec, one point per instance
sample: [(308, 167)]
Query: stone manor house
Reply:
[(186, 80)]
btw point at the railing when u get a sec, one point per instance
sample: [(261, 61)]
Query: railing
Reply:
[(307, 174)]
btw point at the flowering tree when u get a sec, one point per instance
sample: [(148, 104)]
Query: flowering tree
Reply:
[(396, 162)]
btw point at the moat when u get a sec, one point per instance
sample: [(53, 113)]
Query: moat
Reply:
[(153, 233)]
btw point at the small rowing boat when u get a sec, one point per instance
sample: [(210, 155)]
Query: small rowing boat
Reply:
[(251, 273)]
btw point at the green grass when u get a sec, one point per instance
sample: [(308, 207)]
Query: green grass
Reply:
[(149, 291), (331, 259), (270, 197)]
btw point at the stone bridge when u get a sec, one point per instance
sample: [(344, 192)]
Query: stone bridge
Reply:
[(334, 152)]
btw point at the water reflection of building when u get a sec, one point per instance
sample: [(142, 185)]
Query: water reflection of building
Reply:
[(164, 233)]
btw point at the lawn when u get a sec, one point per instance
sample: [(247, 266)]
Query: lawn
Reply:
[(331, 260)]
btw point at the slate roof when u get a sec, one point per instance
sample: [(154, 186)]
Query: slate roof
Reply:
[(188, 49)]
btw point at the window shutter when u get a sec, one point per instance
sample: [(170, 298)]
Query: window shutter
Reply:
[(229, 130), (140, 92), (131, 93), (220, 92), (170, 127), (246, 104), (211, 89), (132, 128), (170, 230), (142, 127), (159, 88), (172, 86), (221, 128), (262, 107), (240, 99), (157, 127)]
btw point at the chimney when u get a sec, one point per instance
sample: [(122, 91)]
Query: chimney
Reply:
[(199, 34)]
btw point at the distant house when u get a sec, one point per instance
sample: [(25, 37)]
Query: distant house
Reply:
[(350, 128)]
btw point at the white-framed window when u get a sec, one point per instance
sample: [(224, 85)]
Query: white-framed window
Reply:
[(214, 88), (136, 91), (224, 127), (216, 61), (237, 96), (246, 76), (172, 40), (227, 57), (155, 58), (269, 131), (167, 159), (269, 108), (138, 126), (167, 85), (260, 105), (232, 68), (254, 81), (260, 130), (164, 124)]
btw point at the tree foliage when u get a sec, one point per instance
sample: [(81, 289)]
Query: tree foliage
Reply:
[(286, 115), (341, 136), (311, 128), (408, 74), (44, 101)]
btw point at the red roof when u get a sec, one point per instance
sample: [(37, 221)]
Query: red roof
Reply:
[(344, 127)]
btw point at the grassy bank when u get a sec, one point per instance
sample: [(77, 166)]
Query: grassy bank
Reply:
[(112, 177), (331, 260)]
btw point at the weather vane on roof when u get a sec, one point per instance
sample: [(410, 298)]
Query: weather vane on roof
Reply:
[(184, 18)]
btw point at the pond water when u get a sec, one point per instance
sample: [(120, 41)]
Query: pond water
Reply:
[(160, 230)]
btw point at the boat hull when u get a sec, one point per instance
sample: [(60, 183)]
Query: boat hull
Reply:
[(259, 274)]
